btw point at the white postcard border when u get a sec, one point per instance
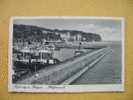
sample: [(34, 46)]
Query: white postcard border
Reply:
[(64, 88)]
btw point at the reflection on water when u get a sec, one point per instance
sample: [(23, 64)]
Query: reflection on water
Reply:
[(65, 53)]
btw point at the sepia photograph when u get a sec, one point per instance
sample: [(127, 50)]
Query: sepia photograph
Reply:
[(66, 54)]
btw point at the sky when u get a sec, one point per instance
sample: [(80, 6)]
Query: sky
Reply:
[(108, 29)]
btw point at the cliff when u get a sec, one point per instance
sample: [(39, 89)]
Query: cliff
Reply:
[(29, 32)]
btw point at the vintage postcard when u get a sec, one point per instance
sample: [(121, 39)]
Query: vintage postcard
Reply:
[(66, 54)]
